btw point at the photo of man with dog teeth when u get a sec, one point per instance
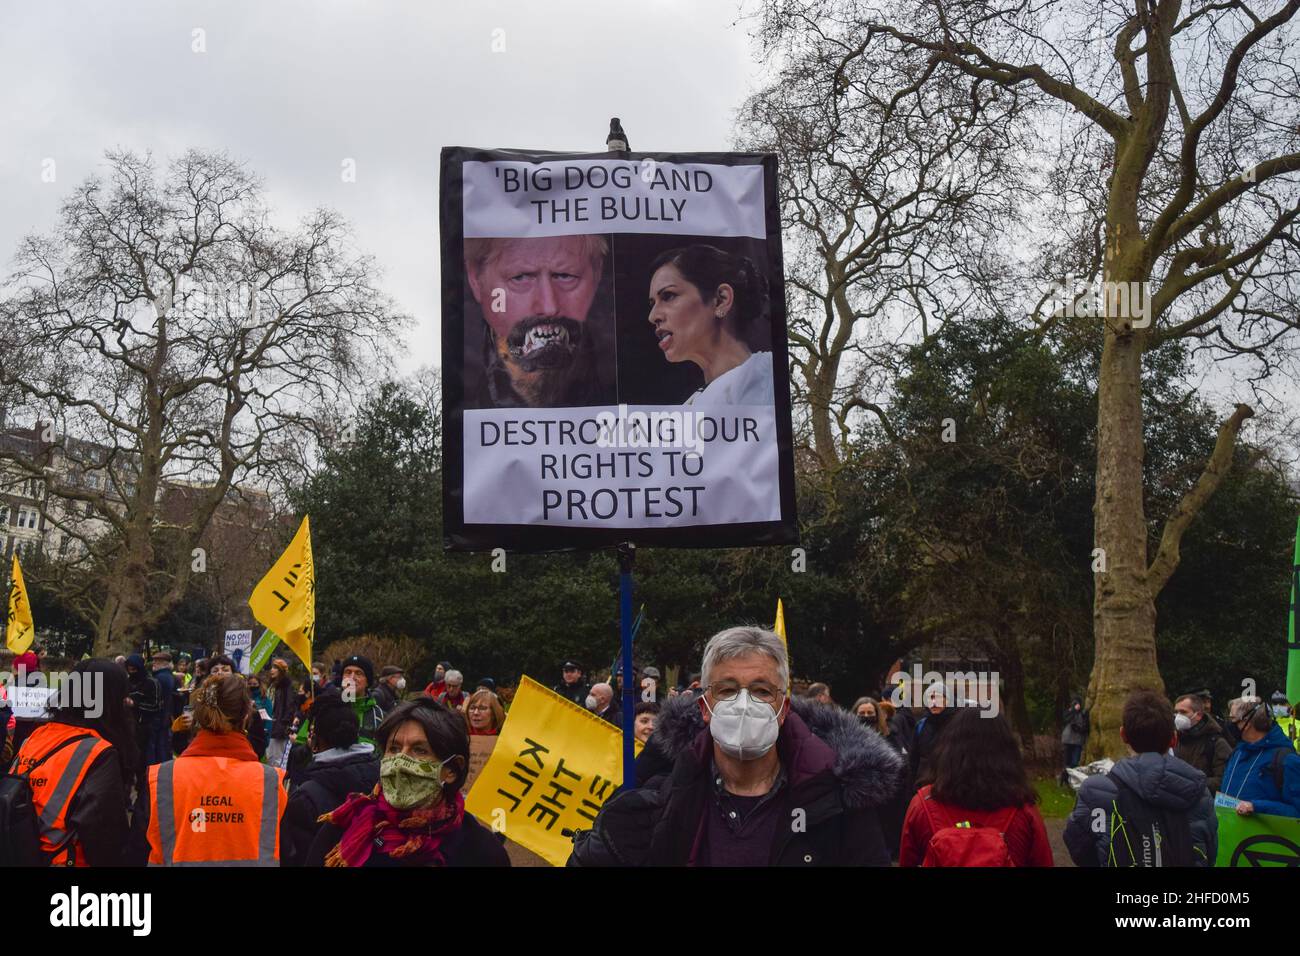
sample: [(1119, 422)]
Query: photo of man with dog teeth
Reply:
[(545, 319)]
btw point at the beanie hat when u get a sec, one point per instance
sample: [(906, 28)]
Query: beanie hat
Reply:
[(136, 661), (357, 660)]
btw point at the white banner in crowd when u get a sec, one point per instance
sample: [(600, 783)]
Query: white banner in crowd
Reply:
[(29, 703), (239, 648)]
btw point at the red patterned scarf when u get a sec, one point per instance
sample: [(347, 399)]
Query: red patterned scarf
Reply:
[(413, 837)]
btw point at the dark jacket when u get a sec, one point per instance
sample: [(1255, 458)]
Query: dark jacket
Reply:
[(167, 688), (837, 772), (1074, 725), (894, 811), (256, 734), (320, 787), (926, 735), (1249, 774), (576, 692), (385, 697), (1206, 748), (1159, 779), (473, 845), (903, 726), (284, 708), (146, 698)]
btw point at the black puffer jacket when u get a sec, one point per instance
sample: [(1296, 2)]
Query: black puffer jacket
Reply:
[(837, 772), (319, 787), (1162, 781)]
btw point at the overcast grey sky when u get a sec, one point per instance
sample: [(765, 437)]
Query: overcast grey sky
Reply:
[(295, 87)]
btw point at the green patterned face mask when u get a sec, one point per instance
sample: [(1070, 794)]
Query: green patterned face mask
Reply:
[(408, 782)]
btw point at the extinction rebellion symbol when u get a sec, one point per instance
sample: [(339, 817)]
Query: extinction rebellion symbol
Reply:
[(1265, 850)]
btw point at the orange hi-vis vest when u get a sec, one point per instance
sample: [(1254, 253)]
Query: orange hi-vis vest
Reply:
[(215, 811), (56, 782)]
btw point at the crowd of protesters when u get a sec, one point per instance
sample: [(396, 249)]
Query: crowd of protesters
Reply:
[(192, 763)]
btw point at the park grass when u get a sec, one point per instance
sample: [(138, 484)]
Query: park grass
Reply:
[(1054, 800)]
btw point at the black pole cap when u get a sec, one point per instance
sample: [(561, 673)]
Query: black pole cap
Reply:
[(617, 139)]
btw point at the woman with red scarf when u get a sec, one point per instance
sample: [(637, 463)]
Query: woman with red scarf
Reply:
[(416, 815), (484, 714)]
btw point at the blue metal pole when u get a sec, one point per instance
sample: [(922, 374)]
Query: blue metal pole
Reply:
[(626, 554)]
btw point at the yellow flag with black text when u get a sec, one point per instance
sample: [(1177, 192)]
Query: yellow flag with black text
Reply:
[(553, 766), (285, 600), (19, 629)]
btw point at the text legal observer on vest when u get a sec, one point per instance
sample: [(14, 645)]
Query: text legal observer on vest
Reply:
[(75, 910)]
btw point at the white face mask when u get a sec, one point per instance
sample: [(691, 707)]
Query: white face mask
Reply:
[(401, 683), (1182, 722), (592, 702), (1279, 710), (744, 728)]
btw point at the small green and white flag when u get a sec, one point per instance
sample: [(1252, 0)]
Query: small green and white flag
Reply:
[(262, 650)]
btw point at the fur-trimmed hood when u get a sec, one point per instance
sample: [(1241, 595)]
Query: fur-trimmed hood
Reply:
[(815, 736)]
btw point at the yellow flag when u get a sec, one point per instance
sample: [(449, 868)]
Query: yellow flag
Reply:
[(285, 600), (19, 630), (553, 766), (779, 629)]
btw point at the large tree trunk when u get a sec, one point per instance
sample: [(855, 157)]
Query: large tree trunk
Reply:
[(122, 625), (1124, 613), (120, 628)]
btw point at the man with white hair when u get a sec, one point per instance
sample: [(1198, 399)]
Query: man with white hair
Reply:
[(454, 696), (745, 775), (1263, 773)]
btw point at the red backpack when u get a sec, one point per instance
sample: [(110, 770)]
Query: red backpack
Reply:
[(963, 842)]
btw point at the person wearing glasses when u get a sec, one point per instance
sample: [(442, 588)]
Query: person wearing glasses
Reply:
[(484, 714), (745, 775), (1263, 773)]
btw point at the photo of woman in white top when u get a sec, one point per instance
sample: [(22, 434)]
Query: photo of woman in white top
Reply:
[(703, 304)]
